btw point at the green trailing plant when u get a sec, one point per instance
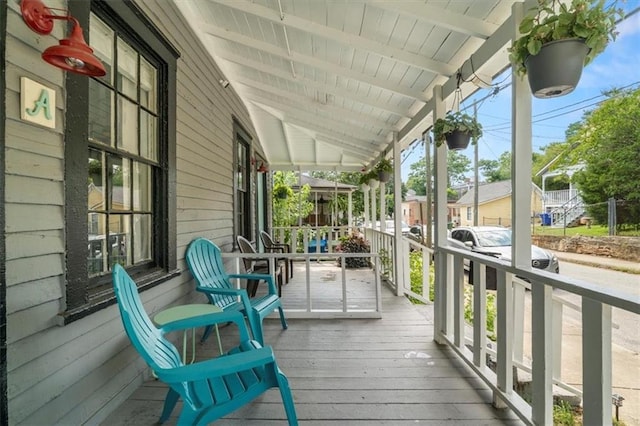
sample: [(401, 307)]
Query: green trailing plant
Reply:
[(456, 121), (553, 20), (384, 165), (364, 178)]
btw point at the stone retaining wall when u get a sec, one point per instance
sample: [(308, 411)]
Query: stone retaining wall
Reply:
[(626, 248)]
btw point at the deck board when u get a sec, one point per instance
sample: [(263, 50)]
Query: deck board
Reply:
[(384, 371)]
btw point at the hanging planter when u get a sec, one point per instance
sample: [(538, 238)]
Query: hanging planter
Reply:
[(384, 169), (558, 41), (456, 129), (556, 70), (457, 140), (281, 192)]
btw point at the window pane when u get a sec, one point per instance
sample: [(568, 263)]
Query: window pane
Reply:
[(100, 113), (127, 70), (96, 181), (120, 174), (96, 258), (148, 77), (101, 41), (148, 136), (142, 238), (120, 240), (127, 125), (142, 187)]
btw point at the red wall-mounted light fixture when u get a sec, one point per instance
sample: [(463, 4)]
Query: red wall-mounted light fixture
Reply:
[(263, 168), (73, 53)]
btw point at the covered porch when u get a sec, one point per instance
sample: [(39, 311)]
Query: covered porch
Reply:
[(383, 371)]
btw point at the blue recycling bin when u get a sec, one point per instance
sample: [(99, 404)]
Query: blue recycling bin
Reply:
[(545, 219), (323, 246)]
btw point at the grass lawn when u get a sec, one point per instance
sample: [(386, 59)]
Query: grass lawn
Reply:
[(593, 231)]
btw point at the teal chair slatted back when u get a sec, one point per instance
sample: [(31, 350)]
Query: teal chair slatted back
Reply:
[(158, 352), (205, 262)]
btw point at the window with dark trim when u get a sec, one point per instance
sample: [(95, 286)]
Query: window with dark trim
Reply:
[(119, 157), (242, 182)]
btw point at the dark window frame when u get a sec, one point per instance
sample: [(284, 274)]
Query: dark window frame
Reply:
[(139, 30), (242, 137)]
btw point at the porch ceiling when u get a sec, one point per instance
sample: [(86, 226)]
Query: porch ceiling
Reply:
[(327, 83)]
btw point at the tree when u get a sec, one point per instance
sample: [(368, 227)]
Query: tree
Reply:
[(288, 211), (608, 143), (496, 170), (458, 166)]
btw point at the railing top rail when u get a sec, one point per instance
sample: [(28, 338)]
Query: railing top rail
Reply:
[(609, 296)]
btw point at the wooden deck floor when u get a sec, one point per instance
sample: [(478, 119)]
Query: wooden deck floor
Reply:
[(353, 371)]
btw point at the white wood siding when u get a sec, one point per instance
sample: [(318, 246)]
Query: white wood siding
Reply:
[(78, 373)]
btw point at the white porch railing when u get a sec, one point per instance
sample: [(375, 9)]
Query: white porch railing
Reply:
[(558, 198), (310, 239), (343, 308), (470, 341)]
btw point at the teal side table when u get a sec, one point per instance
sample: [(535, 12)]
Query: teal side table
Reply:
[(181, 312)]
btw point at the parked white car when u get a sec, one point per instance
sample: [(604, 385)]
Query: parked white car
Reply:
[(496, 241)]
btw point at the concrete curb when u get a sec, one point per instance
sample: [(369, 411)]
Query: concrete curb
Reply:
[(603, 265)]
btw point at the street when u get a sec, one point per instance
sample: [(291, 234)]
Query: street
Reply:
[(627, 335)]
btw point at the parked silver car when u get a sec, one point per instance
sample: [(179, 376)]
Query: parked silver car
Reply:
[(496, 241)]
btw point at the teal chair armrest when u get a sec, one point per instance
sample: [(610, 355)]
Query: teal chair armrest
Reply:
[(258, 277), (208, 320), (216, 367)]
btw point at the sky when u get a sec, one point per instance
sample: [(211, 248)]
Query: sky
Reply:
[(618, 66)]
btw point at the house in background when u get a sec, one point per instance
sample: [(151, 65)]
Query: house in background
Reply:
[(414, 209), (322, 195), (494, 204)]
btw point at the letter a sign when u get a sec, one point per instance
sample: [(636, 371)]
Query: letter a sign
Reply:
[(37, 103)]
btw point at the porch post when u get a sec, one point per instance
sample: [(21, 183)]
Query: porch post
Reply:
[(374, 186), (383, 207), (401, 273), (350, 211), (365, 191), (521, 185), (440, 161)]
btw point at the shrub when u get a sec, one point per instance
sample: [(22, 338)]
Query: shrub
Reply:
[(354, 243)]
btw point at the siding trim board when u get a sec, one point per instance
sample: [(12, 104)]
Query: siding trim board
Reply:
[(4, 409)]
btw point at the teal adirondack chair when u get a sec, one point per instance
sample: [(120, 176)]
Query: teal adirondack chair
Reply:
[(205, 263), (209, 389)]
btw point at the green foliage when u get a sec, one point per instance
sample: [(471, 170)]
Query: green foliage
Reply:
[(491, 311), (385, 262), (416, 272), (608, 144), (287, 211), (554, 20), (354, 243), (456, 121), (384, 165), (496, 170), (458, 166), (563, 414)]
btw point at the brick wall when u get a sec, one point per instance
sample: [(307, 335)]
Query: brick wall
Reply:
[(627, 248)]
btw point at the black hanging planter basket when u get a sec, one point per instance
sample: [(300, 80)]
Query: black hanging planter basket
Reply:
[(556, 70), (457, 140), (384, 176)]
